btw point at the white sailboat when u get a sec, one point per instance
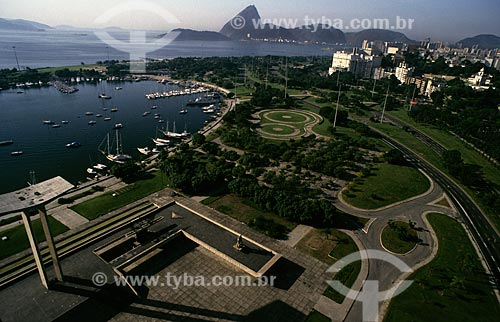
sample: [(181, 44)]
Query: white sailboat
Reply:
[(119, 156), (174, 134)]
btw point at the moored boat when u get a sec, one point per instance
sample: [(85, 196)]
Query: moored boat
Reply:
[(74, 145), (6, 142)]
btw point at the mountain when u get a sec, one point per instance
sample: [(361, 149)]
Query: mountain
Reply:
[(249, 25), (21, 24), (245, 18), (483, 41), (356, 38), (195, 35)]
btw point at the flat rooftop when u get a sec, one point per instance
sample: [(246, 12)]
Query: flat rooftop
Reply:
[(34, 195), (132, 251), (300, 279)]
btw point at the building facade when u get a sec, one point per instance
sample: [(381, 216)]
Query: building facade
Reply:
[(360, 64)]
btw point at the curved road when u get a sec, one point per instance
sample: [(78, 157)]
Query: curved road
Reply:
[(484, 233)]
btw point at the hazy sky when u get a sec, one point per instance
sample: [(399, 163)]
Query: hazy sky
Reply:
[(444, 19)]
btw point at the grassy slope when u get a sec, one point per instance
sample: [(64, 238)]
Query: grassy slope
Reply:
[(18, 241), (241, 210), (388, 184), (432, 298), (105, 203)]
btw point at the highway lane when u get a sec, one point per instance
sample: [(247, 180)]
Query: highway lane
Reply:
[(484, 234), (427, 140)]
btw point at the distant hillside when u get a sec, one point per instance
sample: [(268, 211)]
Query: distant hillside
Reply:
[(356, 38), (194, 35), (483, 41), (21, 24), (250, 17)]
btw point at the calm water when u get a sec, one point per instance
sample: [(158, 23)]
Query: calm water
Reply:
[(64, 48), (21, 117)]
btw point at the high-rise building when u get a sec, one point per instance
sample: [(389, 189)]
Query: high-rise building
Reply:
[(403, 71), (360, 64)]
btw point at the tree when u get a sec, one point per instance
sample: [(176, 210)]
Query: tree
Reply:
[(126, 171), (395, 157), (198, 139)]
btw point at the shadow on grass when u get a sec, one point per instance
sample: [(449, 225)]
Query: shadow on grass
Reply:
[(139, 177)]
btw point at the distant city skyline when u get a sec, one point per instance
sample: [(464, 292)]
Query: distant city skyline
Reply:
[(447, 20)]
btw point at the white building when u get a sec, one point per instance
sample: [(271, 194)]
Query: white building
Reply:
[(481, 80), (360, 64), (403, 71)]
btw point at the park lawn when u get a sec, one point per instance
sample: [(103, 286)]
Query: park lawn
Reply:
[(453, 287), (106, 203), (393, 242), (315, 316), (18, 240), (242, 92), (329, 246), (287, 117), (278, 129), (243, 210), (387, 185), (314, 101)]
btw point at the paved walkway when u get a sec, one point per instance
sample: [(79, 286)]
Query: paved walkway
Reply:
[(297, 234)]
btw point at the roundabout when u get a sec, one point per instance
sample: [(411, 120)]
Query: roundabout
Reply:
[(287, 124)]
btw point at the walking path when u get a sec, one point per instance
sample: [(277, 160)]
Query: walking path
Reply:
[(297, 234)]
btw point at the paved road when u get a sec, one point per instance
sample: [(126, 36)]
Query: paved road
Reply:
[(427, 140), (385, 273)]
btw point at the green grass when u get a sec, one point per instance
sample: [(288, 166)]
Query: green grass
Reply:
[(453, 287), (72, 68), (106, 203), (243, 211), (285, 117), (396, 242), (18, 241), (387, 185), (453, 143), (315, 316), (329, 246), (278, 129), (348, 274)]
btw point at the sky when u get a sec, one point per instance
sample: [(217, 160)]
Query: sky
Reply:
[(447, 20)]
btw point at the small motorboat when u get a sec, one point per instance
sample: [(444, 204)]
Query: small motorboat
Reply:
[(16, 153), (74, 145)]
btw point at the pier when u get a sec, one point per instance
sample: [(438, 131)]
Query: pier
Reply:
[(187, 91), (63, 88)]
